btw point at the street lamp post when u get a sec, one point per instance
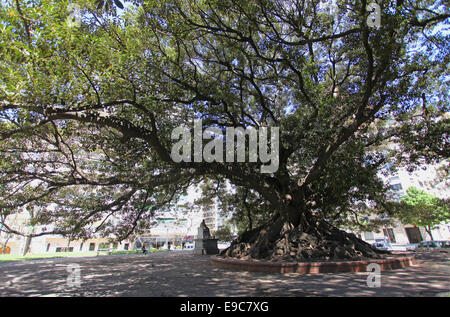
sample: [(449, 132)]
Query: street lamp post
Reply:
[(167, 237)]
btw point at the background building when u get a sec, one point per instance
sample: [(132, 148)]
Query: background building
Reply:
[(433, 179)]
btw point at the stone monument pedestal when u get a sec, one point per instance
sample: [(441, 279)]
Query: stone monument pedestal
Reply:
[(206, 246)]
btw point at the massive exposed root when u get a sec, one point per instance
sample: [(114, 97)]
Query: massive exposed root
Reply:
[(319, 241)]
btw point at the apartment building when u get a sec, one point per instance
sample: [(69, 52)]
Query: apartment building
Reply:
[(16, 244), (433, 179)]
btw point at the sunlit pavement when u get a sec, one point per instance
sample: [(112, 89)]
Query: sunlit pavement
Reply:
[(181, 273)]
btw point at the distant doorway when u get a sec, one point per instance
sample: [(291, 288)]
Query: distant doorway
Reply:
[(414, 235), (389, 233)]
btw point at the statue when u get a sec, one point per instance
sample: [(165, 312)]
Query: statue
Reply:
[(203, 230), (205, 243)]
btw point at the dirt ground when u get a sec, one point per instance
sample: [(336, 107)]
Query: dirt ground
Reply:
[(181, 273)]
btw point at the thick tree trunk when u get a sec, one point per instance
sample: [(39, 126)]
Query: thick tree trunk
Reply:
[(26, 248), (299, 238), (428, 230), (6, 243)]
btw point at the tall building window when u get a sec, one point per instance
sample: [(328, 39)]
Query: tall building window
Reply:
[(368, 235), (397, 187), (394, 179)]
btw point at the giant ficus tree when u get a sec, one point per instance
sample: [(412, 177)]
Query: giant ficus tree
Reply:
[(88, 109)]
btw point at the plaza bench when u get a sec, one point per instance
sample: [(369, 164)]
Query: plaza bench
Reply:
[(104, 250)]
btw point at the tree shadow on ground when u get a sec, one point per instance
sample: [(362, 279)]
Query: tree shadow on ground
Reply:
[(185, 274)]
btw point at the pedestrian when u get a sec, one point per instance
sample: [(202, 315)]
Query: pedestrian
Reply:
[(144, 250)]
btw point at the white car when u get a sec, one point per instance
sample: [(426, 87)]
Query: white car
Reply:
[(412, 247), (434, 246), (381, 245), (223, 245)]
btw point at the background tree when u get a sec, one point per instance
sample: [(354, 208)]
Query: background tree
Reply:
[(422, 209), (224, 234), (7, 235), (87, 111)]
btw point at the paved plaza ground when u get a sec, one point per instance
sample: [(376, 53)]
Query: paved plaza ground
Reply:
[(181, 273)]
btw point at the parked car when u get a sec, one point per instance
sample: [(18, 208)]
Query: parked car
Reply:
[(434, 246), (382, 245), (223, 245), (412, 247)]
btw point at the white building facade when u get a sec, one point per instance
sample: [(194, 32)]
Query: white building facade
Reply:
[(432, 179)]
